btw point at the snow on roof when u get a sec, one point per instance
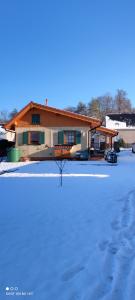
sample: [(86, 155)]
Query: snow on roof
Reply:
[(2, 130), (128, 118)]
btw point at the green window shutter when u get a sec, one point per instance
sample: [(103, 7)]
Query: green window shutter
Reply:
[(25, 137), (78, 137), (42, 137), (60, 137)]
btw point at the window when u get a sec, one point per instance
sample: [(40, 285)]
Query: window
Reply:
[(35, 119), (69, 137), (34, 137)]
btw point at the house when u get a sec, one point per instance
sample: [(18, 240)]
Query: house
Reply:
[(44, 132), (125, 124)]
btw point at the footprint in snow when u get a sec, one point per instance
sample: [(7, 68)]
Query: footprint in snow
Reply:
[(72, 273), (102, 245), (115, 225), (112, 248)]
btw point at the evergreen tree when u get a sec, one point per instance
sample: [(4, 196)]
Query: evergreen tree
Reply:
[(81, 108)]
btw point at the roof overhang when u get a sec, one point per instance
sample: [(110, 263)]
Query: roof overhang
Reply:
[(92, 122), (107, 131)]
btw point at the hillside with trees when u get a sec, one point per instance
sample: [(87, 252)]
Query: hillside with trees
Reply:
[(101, 106), (6, 116)]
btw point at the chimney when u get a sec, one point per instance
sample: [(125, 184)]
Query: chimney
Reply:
[(46, 102)]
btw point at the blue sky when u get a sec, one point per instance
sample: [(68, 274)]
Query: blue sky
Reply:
[(65, 50)]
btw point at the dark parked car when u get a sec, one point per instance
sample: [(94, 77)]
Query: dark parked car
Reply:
[(111, 156), (82, 155), (133, 147)]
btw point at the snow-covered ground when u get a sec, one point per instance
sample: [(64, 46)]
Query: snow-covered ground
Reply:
[(75, 242)]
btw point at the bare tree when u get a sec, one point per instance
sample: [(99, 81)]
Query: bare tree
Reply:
[(122, 103), (100, 106), (107, 104), (12, 113), (4, 116), (94, 108), (61, 163)]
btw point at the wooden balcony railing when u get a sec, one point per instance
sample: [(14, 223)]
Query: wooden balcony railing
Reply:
[(62, 150)]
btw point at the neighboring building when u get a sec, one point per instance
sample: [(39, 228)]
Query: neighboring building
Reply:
[(125, 124), (7, 140), (44, 132), (8, 135)]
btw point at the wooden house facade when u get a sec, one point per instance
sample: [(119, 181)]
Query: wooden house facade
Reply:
[(43, 132)]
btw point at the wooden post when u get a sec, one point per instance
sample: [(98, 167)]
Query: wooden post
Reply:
[(105, 142), (110, 142)]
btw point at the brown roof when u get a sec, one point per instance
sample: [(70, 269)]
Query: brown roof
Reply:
[(107, 131), (94, 121)]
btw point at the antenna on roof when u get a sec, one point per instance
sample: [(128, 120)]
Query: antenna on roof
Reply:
[(46, 102)]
